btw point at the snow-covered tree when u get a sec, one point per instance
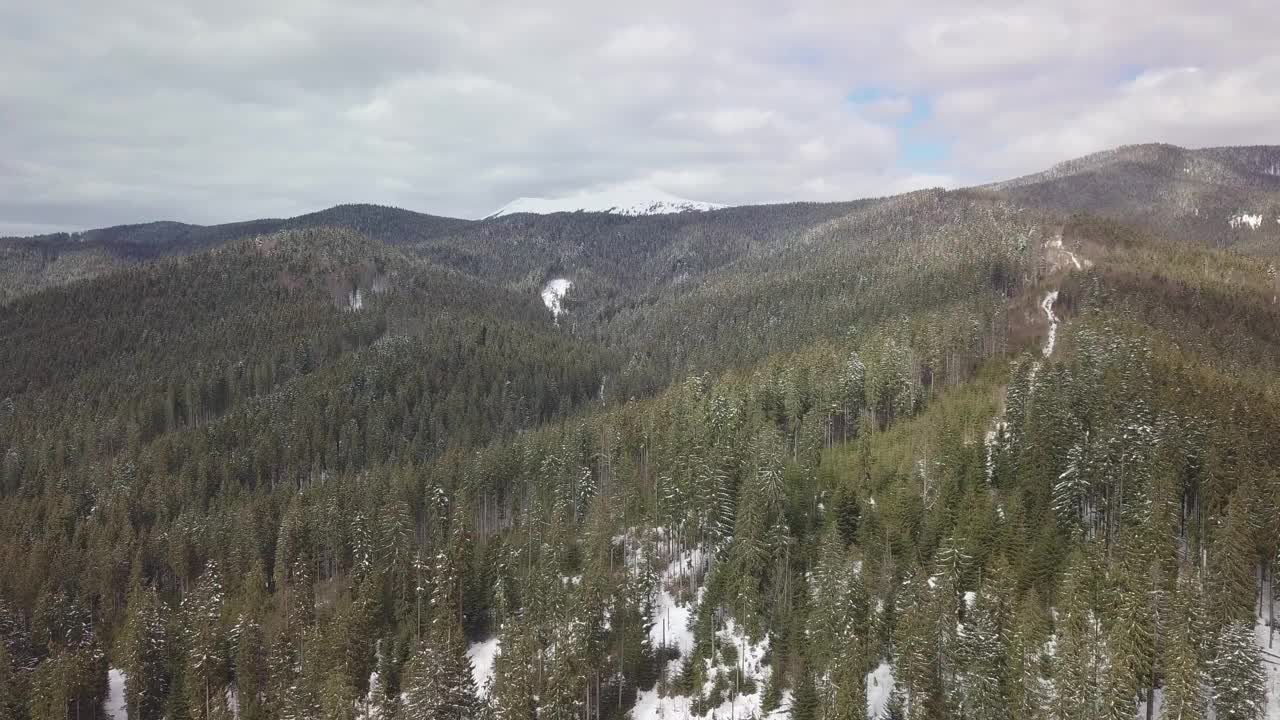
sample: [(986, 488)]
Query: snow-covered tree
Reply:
[(1237, 675), (144, 654)]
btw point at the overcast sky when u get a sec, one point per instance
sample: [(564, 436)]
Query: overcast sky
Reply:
[(203, 111)]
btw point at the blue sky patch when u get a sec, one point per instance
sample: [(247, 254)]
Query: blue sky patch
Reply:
[(919, 153)]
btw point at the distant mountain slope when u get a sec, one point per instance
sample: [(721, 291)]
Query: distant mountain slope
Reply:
[(391, 225), (1216, 196), (631, 199), (638, 239), (31, 263)]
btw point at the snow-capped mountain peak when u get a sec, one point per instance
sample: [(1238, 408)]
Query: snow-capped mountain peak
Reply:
[(629, 199)]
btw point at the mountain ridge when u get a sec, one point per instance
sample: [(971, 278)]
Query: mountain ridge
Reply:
[(627, 199)]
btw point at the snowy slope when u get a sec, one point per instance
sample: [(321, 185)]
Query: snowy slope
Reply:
[(630, 199), (553, 296)]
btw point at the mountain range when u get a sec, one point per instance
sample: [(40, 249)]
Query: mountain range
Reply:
[(1004, 451), (1220, 196)]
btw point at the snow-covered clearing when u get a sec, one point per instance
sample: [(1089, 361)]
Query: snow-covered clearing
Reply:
[(483, 655), (553, 294), (677, 595), (1047, 307), (749, 666), (115, 706)]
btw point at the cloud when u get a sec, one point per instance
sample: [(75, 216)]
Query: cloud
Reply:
[(205, 112)]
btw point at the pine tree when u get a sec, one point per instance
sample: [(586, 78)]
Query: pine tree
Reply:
[(440, 684), (1184, 676), (11, 703), (337, 696), (250, 669), (804, 703), (1130, 635), (206, 645), (1024, 683), (920, 644), (982, 665), (144, 654), (1233, 562), (1237, 675), (515, 684), (1081, 666)]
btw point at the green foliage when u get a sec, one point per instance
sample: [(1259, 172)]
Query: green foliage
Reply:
[(825, 427)]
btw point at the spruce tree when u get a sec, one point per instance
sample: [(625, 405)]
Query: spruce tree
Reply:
[(1237, 675), (206, 645), (1081, 668), (144, 654), (1184, 675)]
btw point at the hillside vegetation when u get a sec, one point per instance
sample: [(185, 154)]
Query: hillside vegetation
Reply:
[(988, 454)]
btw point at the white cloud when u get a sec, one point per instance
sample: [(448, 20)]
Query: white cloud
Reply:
[(143, 109), (647, 43)]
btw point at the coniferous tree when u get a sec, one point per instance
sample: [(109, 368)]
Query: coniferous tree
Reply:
[(144, 654), (1237, 675), (1081, 668), (206, 646), (1185, 679)]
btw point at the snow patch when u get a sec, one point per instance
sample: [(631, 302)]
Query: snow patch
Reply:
[(672, 624), (483, 655), (115, 706), (1270, 652), (553, 296), (673, 627), (879, 688), (1253, 221), (749, 666), (629, 199), (990, 443), (1047, 307), (1157, 705), (1058, 256), (355, 300)]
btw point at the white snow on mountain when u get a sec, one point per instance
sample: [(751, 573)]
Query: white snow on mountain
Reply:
[(552, 295), (629, 199), (1047, 307)]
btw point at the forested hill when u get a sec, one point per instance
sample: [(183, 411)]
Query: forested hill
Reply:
[(28, 264), (987, 454)]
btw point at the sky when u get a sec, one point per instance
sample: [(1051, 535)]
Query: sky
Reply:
[(205, 112)]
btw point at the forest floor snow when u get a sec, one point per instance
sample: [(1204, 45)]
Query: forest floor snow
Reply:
[(483, 656), (879, 688), (115, 707), (1270, 655)]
